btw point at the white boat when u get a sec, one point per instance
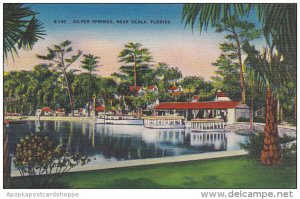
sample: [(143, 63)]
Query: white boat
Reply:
[(182, 126), (164, 122), (120, 120)]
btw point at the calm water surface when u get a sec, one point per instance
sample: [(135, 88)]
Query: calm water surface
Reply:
[(124, 142)]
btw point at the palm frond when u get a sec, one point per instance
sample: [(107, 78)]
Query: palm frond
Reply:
[(203, 15), (20, 28)]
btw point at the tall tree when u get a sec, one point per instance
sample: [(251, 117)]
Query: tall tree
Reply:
[(57, 55), (239, 32), (21, 29), (250, 80), (90, 64), (136, 59), (279, 21), (274, 73), (227, 78)]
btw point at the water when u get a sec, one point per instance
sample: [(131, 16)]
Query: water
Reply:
[(105, 143)]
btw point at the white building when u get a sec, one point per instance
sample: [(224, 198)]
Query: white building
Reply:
[(221, 96)]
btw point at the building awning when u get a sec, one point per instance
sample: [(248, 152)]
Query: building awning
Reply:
[(197, 105)]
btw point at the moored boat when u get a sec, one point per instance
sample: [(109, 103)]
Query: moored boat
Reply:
[(164, 122), (120, 120)]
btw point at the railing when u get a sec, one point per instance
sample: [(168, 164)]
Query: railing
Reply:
[(208, 124)]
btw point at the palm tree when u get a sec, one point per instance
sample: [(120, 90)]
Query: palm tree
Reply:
[(58, 56), (90, 64), (251, 78), (134, 55), (279, 28), (273, 74), (21, 29), (279, 21)]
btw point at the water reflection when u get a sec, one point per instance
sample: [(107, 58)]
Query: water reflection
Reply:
[(125, 142), (212, 141)]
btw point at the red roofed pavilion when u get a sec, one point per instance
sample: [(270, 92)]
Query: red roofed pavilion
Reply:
[(197, 105), (229, 111)]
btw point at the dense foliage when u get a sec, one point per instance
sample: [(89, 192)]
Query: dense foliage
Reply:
[(26, 91), (255, 145), (39, 155)]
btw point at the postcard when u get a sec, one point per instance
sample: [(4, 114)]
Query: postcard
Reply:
[(151, 96)]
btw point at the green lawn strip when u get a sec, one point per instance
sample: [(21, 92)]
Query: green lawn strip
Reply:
[(235, 172)]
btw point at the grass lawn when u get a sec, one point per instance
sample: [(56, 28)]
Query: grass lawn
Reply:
[(236, 172)]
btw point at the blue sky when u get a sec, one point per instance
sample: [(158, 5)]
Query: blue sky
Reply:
[(172, 43)]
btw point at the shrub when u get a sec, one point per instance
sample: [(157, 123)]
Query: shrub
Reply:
[(243, 119), (255, 144), (39, 156), (288, 149), (147, 112)]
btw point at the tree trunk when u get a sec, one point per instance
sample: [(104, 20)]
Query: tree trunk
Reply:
[(278, 112), (239, 53), (69, 93), (134, 73), (89, 111), (251, 113), (251, 109), (271, 151), (295, 109)]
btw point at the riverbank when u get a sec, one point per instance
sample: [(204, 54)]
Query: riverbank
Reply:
[(234, 172), (49, 118), (245, 126)]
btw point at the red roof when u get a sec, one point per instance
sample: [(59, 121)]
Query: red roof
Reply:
[(100, 108), (221, 94), (196, 97), (172, 88), (177, 93), (197, 105), (46, 109), (136, 89), (151, 87)]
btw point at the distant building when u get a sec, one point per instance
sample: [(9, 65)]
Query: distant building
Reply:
[(195, 98), (140, 90), (222, 96), (135, 89), (153, 89), (221, 108), (176, 90)]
